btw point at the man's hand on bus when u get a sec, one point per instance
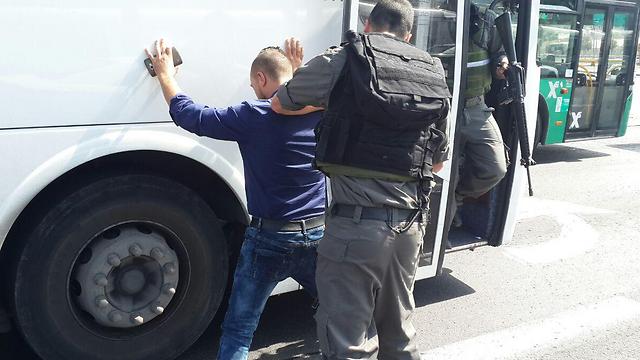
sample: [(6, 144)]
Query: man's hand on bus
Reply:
[(162, 61), (437, 167), (295, 52), (503, 66)]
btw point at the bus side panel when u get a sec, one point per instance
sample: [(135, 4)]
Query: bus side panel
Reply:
[(76, 62), (33, 158), (625, 115), (558, 105)]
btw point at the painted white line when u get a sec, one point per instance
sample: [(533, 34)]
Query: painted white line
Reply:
[(532, 207), (576, 235), (542, 334)]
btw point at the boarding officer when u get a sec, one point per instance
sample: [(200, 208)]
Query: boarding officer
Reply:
[(482, 161)]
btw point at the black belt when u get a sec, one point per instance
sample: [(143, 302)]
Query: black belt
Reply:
[(373, 213), (287, 225)]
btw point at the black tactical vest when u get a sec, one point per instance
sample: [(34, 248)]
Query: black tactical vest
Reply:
[(382, 111)]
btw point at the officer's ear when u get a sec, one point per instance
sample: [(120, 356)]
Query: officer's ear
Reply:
[(407, 37)]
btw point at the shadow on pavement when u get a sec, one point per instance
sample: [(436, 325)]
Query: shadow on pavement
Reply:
[(440, 288), (286, 331), (548, 154), (630, 147), (288, 319), (287, 328)]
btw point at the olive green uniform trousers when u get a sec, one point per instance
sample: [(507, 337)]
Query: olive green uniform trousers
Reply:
[(481, 153), (484, 159), (365, 276)]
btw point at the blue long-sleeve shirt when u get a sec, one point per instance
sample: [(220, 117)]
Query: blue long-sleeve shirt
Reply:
[(277, 153)]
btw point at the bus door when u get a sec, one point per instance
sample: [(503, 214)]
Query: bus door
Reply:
[(603, 81)]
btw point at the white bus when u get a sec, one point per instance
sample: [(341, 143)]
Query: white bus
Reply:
[(119, 231)]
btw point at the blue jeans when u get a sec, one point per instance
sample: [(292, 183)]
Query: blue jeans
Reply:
[(266, 258)]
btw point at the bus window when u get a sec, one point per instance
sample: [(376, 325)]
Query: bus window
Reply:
[(556, 37), (434, 30)]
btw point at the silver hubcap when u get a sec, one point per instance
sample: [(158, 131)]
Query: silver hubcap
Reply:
[(127, 276)]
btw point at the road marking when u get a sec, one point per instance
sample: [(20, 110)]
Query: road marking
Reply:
[(535, 336), (576, 237)]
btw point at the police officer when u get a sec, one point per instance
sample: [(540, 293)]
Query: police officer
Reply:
[(483, 160), (369, 255)]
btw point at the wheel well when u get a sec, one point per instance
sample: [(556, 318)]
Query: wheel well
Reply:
[(543, 111), (209, 185)]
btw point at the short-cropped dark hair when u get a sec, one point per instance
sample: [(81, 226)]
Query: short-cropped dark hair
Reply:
[(394, 16), (272, 61)]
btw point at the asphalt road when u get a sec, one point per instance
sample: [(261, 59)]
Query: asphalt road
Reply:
[(567, 287)]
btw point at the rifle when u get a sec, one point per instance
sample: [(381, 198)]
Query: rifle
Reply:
[(514, 92)]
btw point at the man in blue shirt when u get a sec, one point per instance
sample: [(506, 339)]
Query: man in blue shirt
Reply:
[(285, 195)]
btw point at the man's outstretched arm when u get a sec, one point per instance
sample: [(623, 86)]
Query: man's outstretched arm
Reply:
[(218, 123), (162, 62)]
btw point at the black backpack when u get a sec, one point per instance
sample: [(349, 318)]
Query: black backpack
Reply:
[(396, 80), (383, 110)]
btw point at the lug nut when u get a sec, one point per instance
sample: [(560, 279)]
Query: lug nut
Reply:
[(169, 268), (157, 253), (169, 290), (157, 309), (113, 259), (135, 250), (101, 279), (137, 319), (115, 316), (102, 302)]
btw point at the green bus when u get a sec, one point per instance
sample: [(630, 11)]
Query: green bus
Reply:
[(586, 52)]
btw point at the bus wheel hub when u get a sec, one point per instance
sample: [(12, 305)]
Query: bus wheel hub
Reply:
[(127, 276)]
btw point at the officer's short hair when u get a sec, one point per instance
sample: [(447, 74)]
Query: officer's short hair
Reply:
[(273, 62), (394, 16)]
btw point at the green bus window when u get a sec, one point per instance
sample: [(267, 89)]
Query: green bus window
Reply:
[(434, 30), (556, 40)]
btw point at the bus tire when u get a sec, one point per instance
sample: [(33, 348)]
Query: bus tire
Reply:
[(167, 271)]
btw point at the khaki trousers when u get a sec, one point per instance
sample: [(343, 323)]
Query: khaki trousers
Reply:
[(485, 162), (365, 276)]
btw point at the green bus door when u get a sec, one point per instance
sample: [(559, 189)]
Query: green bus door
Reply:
[(602, 86)]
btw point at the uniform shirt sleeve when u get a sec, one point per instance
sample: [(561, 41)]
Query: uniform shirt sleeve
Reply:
[(223, 124), (312, 83)]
